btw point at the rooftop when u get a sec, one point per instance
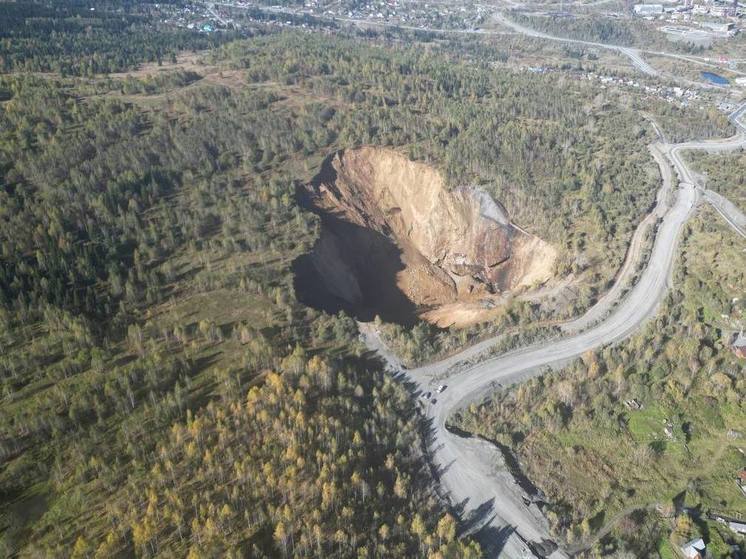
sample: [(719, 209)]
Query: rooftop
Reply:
[(694, 548)]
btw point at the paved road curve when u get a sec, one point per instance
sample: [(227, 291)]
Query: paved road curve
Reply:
[(635, 55), (632, 54), (468, 467), (728, 210)]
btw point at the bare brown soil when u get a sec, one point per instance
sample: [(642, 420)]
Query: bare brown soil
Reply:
[(397, 243)]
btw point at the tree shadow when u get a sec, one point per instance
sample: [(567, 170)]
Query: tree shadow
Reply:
[(678, 502), (492, 540), (597, 521), (658, 447), (477, 519), (476, 523)]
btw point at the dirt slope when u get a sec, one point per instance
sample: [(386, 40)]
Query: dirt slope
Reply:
[(393, 232)]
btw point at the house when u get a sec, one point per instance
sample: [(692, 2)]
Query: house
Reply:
[(694, 549), (648, 9), (739, 345), (722, 28), (723, 11), (633, 404)]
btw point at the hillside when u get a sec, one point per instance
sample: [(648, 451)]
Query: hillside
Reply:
[(656, 422), (164, 389), (395, 241)]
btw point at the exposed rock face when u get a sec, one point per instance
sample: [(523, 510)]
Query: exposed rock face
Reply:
[(451, 245)]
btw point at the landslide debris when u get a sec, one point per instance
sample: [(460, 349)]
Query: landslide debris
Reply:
[(396, 242)]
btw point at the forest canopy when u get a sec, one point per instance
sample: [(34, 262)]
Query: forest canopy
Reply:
[(163, 392)]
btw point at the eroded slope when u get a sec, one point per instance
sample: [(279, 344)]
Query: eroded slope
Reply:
[(396, 242)]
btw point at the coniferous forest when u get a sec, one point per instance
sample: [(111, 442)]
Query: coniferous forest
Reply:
[(162, 390)]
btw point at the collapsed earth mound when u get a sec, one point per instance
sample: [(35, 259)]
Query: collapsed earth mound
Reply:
[(396, 243)]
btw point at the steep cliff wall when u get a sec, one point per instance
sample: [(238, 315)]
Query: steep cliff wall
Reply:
[(388, 219)]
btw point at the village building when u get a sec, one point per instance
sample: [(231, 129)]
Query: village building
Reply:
[(694, 549)]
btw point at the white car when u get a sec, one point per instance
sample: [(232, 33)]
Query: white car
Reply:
[(441, 388)]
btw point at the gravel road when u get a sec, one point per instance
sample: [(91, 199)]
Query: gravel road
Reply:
[(470, 469)]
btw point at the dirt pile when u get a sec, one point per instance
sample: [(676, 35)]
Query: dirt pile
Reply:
[(397, 243)]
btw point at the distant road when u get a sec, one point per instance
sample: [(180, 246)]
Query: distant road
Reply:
[(632, 54), (635, 55), (469, 467), (735, 217)]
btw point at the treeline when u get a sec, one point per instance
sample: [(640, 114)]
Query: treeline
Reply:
[(320, 460), (83, 39), (153, 84), (681, 125), (724, 174), (425, 342), (146, 285)]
